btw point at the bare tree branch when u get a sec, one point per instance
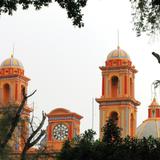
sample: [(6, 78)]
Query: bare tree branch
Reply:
[(30, 142), (30, 94), (31, 124), (15, 120), (43, 132)]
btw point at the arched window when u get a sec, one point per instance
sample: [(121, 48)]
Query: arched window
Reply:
[(6, 93), (131, 87), (114, 86), (22, 88), (114, 117), (131, 125)]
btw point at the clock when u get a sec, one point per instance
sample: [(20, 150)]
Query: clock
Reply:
[(60, 132)]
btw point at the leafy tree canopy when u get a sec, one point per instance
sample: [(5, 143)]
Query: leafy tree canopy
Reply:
[(79, 149), (116, 149), (73, 7), (5, 123), (146, 16), (111, 132)]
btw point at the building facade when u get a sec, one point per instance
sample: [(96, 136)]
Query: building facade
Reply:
[(62, 123), (117, 101)]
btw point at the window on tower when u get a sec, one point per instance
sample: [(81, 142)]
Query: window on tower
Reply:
[(6, 93), (114, 117), (114, 86), (132, 125), (22, 88), (131, 87)]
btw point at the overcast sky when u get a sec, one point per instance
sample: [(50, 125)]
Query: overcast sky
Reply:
[(63, 61)]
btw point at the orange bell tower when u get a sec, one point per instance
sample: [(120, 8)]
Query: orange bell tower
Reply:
[(118, 101), (12, 82)]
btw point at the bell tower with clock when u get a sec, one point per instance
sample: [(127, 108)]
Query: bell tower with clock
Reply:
[(62, 125)]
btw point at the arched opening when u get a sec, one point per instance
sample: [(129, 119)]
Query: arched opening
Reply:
[(114, 117), (132, 126), (6, 93), (22, 90), (131, 87), (114, 86)]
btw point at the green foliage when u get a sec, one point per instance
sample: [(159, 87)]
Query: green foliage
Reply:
[(88, 136), (5, 124), (73, 7), (66, 152), (111, 132), (80, 150), (4, 153), (146, 16), (118, 149)]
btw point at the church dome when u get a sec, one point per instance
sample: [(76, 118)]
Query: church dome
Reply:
[(118, 54), (150, 127), (11, 63)]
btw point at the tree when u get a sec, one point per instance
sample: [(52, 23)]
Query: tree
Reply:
[(14, 122), (112, 133), (34, 137), (73, 7), (10, 118), (5, 121), (146, 16), (79, 149), (117, 148)]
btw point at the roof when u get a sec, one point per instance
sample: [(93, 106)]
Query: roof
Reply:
[(154, 103), (149, 127), (11, 63), (63, 112), (118, 54)]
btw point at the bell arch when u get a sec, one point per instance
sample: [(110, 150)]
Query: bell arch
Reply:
[(6, 93), (131, 87), (114, 86), (114, 117), (132, 125), (22, 88)]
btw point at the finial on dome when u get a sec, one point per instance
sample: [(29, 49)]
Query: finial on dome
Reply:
[(12, 55), (154, 86), (118, 39)]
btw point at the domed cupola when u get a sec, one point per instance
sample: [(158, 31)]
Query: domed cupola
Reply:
[(118, 54), (11, 66), (11, 63), (118, 58)]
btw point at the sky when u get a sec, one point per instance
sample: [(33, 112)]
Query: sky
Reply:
[(63, 61)]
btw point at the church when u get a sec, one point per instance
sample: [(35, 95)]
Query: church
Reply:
[(117, 101)]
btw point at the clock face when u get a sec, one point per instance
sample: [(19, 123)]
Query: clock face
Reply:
[(60, 132)]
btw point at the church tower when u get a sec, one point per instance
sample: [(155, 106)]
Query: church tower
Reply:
[(117, 100), (12, 82)]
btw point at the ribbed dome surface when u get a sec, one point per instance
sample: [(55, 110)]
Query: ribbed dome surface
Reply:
[(150, 127), (11, 62), (118, 54)]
